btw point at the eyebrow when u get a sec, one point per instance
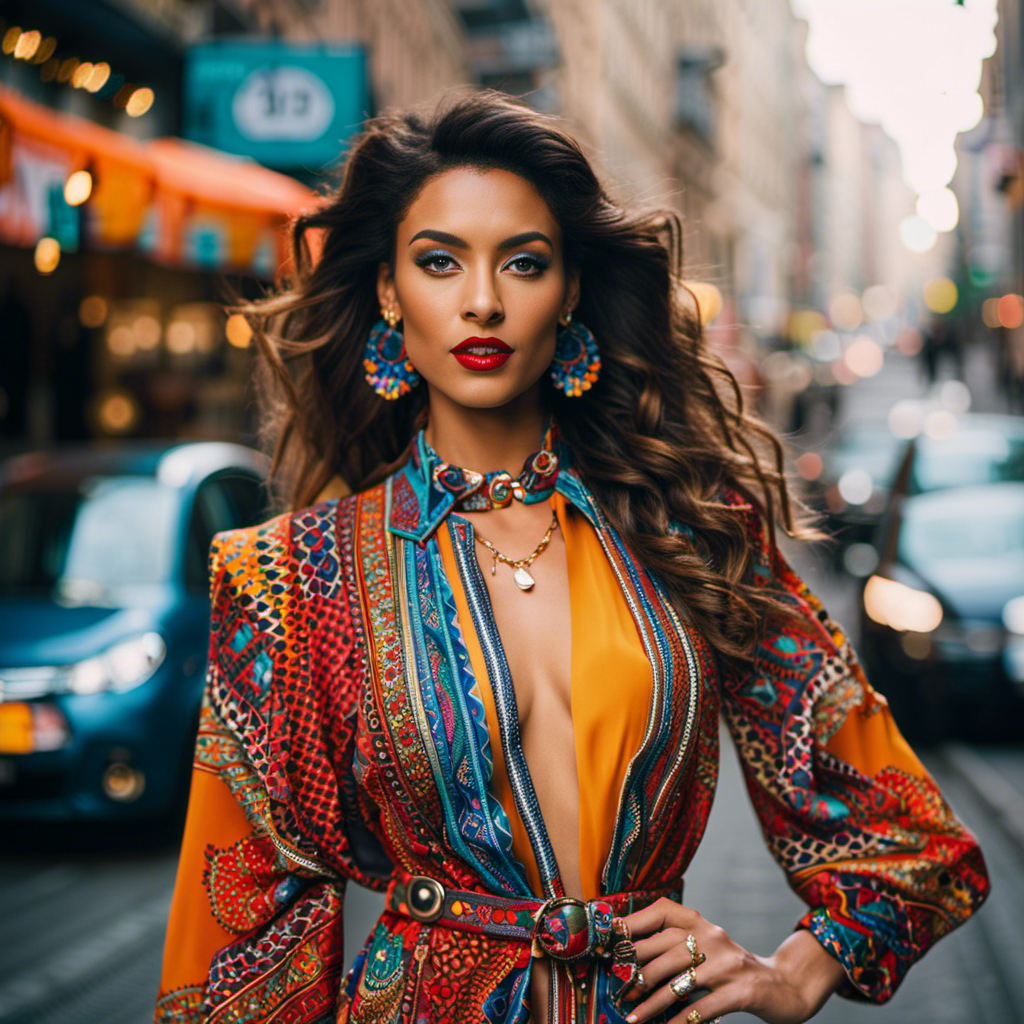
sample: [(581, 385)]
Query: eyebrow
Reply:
[(509, 243)]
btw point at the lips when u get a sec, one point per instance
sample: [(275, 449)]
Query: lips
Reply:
[(482, 354)]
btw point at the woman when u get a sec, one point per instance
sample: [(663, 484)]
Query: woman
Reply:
[(495, 696)]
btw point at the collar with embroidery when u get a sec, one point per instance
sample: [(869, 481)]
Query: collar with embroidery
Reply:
[(480, 492)]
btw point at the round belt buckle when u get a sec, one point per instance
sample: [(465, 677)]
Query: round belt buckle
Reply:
[(563, 928), (424, 897)]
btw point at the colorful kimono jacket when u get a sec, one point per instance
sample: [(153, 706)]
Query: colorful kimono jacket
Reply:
[(343, 737)]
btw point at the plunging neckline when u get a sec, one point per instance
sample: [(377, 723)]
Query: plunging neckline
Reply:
[(603, 748)]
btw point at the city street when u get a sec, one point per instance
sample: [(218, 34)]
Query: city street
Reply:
[(83, 932)]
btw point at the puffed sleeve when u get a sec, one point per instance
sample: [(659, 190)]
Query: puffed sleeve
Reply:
[(848, 811), (255, 923)]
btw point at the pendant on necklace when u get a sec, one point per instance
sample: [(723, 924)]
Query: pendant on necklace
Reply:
[(524, 581)]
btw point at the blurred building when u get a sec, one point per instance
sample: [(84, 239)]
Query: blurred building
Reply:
[(117, 239), (414, 49)]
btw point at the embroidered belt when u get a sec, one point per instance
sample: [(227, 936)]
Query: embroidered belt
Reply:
[(564, 928)]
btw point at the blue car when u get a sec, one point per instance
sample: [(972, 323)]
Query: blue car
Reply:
[(942, 617), (104, 621)]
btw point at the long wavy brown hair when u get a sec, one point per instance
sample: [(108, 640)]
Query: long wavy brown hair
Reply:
[(656, 439)]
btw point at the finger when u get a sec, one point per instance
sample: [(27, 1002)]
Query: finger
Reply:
[(660, 914), (709, 1008), (720, 968), (658, 943), (661, 998)]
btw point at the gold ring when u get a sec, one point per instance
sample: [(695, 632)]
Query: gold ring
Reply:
[(696, 956), (639, 981), (683, 984), (694, 1017)]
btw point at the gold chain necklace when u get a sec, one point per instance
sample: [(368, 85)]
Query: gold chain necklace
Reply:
[(523, 580)]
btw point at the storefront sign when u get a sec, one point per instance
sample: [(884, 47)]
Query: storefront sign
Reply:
[(286, 106)]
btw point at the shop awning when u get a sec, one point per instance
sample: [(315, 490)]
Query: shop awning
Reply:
[(177, 202)]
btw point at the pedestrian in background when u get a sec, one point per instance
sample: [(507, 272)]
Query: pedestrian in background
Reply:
[(493, 692)]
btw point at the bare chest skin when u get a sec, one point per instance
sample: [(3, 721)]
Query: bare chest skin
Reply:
[(536, 634)]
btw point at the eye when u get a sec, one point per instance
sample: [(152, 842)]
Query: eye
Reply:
[(528, 264), (436, 262)]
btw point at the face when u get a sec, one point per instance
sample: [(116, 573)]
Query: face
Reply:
[(480, 283)]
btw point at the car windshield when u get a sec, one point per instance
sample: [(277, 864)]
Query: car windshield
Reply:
[(87, 545), (935, 532), (965, 459)]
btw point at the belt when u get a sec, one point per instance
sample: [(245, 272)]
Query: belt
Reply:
[(563, 927)]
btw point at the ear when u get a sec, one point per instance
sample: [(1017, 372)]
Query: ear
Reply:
[(572, 289), (386, 294)]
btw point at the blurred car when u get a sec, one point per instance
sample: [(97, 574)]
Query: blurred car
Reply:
[(853, 490), (105, 611), (942, 617), (980, 448)]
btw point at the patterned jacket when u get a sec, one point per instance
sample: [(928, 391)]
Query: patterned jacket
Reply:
[(342, 712)]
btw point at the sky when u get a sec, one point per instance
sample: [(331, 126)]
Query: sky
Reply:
[(913, 66)]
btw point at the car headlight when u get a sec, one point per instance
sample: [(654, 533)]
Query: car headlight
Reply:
[(898, 606), (119, 668), (1013, 615)]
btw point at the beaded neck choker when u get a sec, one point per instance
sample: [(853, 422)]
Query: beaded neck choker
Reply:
[(480, 492)]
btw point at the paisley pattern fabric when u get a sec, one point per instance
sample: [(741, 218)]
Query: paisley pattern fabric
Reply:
[(343, 722)]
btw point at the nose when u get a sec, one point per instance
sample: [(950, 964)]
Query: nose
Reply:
[(480, 301)]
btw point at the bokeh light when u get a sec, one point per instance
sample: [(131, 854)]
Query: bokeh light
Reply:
[(809, 465), (92, 311), (864, 356), (955, 396), (10, 41), (706, 295), (917, 234), (804, 324), (856, 486), (139, 102), (117, 412), (940, 424), (909, 341), (27, 45), (181, 337), (990, 313), (77, 188), (97, 77), (1010, 310), (81, 75), (826, 346), (146, 330), (67, 69), (879, 302), (47, 255), (121, 341), (906, 417), (940, 295), (238, 331), (45, 51), (845, 310)]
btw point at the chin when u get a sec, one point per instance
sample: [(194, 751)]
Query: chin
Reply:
[(488, 394)]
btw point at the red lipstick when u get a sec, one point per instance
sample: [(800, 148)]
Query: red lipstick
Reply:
[(482, 353)]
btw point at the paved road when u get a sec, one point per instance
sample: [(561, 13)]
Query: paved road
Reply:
[(81, 930)]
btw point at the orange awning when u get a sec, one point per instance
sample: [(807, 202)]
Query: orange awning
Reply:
[(178, 202)]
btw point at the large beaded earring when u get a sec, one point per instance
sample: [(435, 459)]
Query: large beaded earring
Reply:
[(577, 361), (388, 369)]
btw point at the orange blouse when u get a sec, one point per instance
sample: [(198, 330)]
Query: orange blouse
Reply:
[(610, 694)]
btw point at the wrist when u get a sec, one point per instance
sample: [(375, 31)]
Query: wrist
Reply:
[(804, 964)]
